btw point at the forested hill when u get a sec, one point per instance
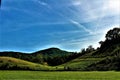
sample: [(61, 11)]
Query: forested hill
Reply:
[(110, 51), (106, 57), (51, 56)]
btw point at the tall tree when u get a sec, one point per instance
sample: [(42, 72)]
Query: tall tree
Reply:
[(113, 34)]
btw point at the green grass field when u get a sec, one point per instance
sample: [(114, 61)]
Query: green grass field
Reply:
[(38, 75)]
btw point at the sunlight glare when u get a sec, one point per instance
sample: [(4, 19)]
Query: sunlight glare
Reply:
[(114, 5)]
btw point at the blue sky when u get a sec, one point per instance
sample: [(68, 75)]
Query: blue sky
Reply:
[(31, 25)]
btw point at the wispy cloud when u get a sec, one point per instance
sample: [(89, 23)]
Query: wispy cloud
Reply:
[(81, 26), (67, 18), (77, 44), (17, 27), (76, 3), (42, 3)]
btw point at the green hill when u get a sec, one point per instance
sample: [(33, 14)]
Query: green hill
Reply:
[(9, 63), (111, 59), (92, 61), (107, 57)]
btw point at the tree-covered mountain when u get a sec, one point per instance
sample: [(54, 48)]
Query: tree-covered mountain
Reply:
[(51, 56)]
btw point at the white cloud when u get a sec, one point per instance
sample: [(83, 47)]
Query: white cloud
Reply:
[(114, 5), (43, 3), (76, 3), (77, 44), (81, 26)]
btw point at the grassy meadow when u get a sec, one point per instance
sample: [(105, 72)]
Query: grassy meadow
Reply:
[(70, 75)]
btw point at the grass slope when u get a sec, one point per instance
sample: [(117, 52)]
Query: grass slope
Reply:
[(111, 62), (16, 64), (81, 64), (107, 60)]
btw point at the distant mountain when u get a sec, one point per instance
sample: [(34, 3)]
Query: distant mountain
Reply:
[(51, 52), (51, 56)]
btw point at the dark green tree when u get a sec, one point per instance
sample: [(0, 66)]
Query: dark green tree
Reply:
[(113, 34), (90, 49)]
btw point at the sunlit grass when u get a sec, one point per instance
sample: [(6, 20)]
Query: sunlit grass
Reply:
[(80, 64), (38, 75), (22, 63)]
